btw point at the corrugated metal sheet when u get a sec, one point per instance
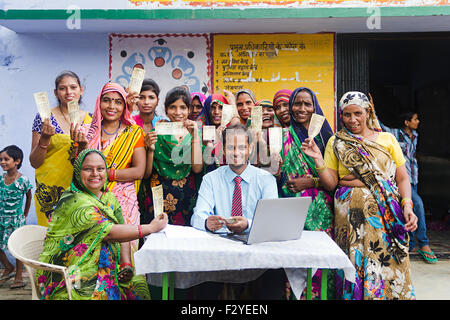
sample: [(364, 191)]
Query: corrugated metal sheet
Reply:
[(352, 66)]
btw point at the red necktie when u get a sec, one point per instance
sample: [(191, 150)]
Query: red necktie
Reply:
[(236, 205)]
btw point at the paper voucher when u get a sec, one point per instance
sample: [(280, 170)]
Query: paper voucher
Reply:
[(74, 111), (275, 139), (315, 124), (256, 118), (158, 200), (228, 111), (209, 133), (43, 105), (137, 77), (169, 128)]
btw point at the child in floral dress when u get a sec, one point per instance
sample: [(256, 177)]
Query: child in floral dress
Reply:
[(13, 187)]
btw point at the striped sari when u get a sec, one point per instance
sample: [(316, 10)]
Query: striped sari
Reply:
[(119, 154)]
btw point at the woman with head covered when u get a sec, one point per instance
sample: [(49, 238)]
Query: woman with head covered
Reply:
[(88, 236), (373, 207), (299, 176), (114, 133)]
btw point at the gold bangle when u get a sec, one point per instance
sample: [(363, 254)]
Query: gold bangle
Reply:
[(321, 168), (404, 200)]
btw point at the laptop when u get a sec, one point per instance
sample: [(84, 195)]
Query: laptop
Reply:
[(275, 220)]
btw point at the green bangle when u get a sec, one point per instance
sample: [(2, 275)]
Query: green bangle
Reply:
[(316, 182)]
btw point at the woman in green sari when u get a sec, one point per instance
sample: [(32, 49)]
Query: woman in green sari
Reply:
[(177, 163), (299, 177), (87, 234)]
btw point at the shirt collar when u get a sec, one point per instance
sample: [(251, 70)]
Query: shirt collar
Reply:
[(413, 132), (246, 175)]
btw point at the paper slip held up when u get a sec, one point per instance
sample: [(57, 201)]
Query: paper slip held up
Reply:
[(275, 139), (43, 104), (315, 124), (228, 111), (158, 202), (256, 118), (73, 109), (137, 77), (170, 128), (209, 133)]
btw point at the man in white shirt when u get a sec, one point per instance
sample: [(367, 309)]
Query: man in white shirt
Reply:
[(232, 191)]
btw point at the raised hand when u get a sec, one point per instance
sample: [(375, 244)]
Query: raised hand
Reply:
[(47, 130), (78, 135), (150, 140), (310, 148), (132, 99)]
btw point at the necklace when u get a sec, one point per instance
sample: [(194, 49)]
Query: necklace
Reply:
[(111, 134)]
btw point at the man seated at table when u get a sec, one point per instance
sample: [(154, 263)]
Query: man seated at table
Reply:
[(232, 191)]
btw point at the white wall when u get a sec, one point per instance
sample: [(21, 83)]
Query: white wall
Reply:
[(30, 63)]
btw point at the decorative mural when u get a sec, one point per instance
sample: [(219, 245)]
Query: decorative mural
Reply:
[(169, 59)]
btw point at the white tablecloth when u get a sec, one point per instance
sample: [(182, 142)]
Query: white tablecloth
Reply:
[(197, 256)]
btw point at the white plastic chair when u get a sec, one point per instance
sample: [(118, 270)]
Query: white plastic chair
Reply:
[(26, 244)]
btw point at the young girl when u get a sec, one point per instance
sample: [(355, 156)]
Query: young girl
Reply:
[(147, 100), (13, 187)]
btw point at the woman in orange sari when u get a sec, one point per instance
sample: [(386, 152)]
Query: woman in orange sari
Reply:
[(113, 132)]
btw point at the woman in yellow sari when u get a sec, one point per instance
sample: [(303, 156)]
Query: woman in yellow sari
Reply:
[(52, 150), (113, 132)]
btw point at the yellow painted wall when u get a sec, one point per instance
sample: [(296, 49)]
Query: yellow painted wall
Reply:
[(266, 63)]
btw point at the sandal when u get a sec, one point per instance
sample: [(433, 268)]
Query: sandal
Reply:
[(18, 284), (8, 276), (426, 258)]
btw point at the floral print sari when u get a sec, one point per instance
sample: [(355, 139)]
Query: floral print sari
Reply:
[(369, 224)]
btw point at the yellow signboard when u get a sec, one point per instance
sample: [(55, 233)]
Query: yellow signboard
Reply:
[(266, 63)]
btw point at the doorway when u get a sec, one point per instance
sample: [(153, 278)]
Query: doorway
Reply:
[(408, 71)]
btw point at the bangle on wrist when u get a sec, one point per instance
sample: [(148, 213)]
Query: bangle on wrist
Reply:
[(111, 174), (321, 168), (43, 146), (316, 182), (407, 200), (125, 264), (140, 231)]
